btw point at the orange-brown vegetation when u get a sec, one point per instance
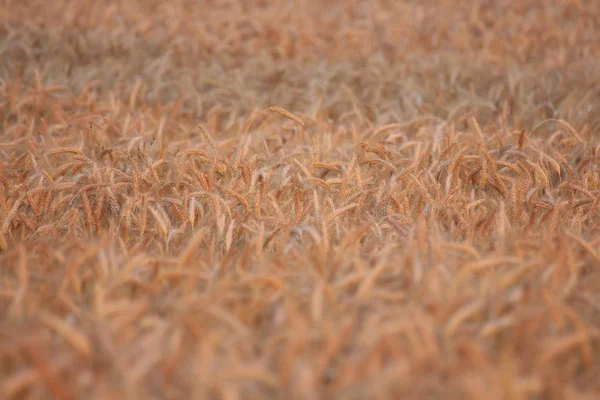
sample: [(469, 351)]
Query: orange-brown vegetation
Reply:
[(302, 199)]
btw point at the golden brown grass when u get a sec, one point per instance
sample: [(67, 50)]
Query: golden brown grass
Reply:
[(304, 199)]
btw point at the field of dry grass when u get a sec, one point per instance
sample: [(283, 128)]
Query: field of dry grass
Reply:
[(301, 199)]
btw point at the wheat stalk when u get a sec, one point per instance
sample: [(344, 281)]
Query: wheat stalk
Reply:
[(287, 114)]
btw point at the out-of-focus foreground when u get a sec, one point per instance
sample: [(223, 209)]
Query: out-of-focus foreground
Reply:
[(299, 199)]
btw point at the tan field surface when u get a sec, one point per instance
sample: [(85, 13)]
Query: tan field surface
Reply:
[(300, 199)]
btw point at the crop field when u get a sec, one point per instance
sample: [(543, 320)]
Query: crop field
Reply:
[(299, 199)]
